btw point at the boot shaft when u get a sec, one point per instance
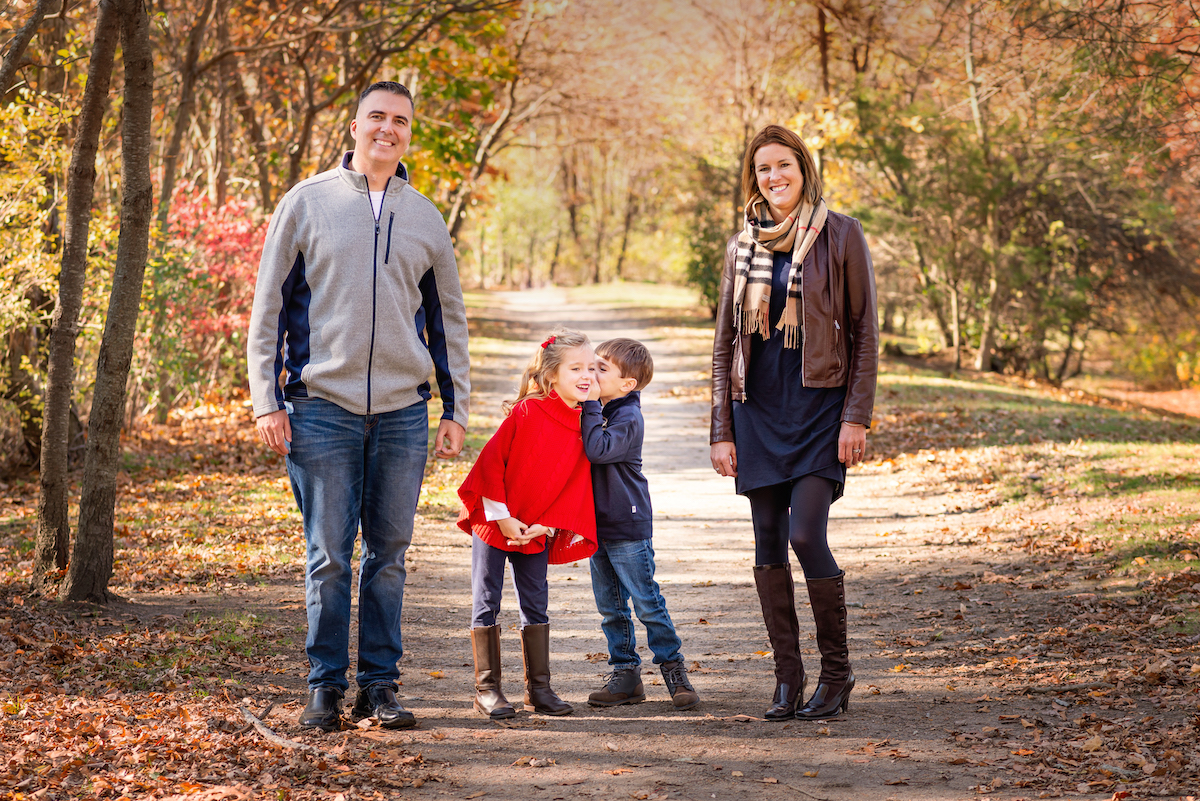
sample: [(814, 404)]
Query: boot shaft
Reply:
[(828, 599), (485, 647), (777, 596)]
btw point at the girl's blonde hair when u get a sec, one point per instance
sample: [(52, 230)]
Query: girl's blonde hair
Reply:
[(535, 383)]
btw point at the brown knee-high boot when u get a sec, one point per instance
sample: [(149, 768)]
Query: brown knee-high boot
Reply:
[(777, 595), (535, 647), (832, 696), (489, 698)]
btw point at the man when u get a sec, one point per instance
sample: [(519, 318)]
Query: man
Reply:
[(357, 299)]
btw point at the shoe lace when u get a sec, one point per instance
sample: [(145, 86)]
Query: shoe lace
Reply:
[(676, 676), (613, 679)]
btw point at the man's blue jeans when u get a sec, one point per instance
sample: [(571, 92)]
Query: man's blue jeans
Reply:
[(623, 570), (349, 470)]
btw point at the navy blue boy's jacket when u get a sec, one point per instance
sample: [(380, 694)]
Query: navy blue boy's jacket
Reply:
[(612, 440)]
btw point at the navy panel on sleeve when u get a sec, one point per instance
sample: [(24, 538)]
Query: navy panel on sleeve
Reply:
[(429, 321)]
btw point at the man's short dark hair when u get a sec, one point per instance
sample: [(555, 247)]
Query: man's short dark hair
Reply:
[(392, 87), (629, 356)]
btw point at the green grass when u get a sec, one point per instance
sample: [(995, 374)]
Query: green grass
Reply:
[(1128, 478)]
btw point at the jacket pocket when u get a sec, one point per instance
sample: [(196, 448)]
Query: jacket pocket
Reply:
[(388, 250)]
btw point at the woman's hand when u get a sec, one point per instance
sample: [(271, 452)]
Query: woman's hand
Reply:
[(852, 444), (724, 458)]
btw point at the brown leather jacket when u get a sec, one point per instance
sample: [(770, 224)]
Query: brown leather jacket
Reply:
[(841, 327)]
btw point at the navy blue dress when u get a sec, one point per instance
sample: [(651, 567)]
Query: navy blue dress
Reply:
[(784, 430)]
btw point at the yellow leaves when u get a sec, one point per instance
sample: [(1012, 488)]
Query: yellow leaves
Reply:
[(900, 668)]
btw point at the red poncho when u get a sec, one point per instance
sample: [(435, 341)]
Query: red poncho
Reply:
[(535, 465)]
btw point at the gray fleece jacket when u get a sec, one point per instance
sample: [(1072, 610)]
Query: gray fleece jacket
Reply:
[(357, 311)]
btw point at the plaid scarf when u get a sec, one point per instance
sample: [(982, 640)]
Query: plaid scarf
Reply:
[(753, 266)]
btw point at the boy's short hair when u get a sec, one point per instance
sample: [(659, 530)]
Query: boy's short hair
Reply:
[(630, 357)]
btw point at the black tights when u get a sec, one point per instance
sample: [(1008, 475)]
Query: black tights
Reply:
[(796, 513)]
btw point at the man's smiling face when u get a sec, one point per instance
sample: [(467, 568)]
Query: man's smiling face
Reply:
[(382, 128)]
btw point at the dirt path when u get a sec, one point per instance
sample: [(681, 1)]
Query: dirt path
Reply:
[(950, 622), (899, 739)]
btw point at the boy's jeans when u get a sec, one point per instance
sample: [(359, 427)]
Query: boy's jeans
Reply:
[(348, 469), (624, 570)]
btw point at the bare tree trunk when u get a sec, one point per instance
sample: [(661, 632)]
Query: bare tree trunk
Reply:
[(571, 192), (983, 359), (929, 292), (483, 153), (183, 116), (16, 48), (956, 330), (554, 258), (258, 145), (222, 150), (631, 208), (489, 143), (987, 330), (91, 565), (823, 48), (54, 528)]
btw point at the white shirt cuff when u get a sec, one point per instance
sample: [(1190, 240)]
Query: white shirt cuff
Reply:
[(494, 510)]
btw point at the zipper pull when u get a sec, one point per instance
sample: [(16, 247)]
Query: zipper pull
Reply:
[(377, 228), (835, 322)]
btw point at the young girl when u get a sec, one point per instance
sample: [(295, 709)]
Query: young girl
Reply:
[(528, 501)]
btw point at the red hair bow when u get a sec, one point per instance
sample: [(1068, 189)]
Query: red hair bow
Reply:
[(549, 341)]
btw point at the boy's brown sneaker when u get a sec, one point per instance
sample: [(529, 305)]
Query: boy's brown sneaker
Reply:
[(683, 694), (623, 686)]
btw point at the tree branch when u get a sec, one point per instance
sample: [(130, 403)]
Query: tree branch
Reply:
[(16, 48)]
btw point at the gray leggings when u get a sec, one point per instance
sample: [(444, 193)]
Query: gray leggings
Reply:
[(487, 583)]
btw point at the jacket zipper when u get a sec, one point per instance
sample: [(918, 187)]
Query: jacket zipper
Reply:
[(803, 333), (374, 284), (837, 343)]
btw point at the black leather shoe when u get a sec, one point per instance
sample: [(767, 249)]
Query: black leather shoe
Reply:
[(324, 710), (379, 701)]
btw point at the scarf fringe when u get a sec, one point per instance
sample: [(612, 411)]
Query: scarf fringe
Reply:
[(752, 322)]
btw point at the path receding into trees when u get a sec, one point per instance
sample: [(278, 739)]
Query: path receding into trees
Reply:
[(909, 554)]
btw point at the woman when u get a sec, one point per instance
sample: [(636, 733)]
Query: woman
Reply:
[(793, 385)]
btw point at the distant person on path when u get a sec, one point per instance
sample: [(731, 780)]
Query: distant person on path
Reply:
[(357, 303), (623, 565), (795, 358), (528, 502)]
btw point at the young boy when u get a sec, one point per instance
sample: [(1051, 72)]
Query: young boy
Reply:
[(623, 566)]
